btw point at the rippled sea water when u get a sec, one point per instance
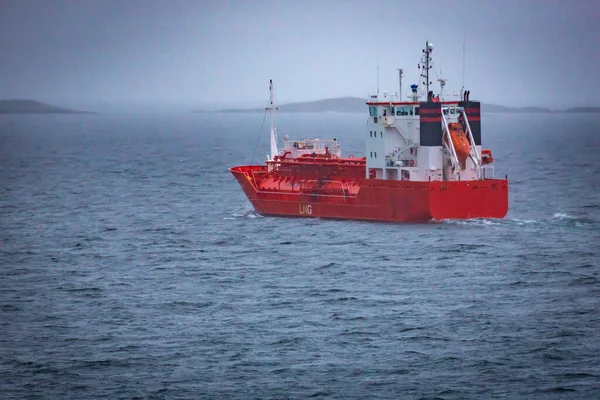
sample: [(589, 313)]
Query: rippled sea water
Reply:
[(132, 266)]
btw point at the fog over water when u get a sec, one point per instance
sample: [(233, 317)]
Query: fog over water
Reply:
[(194, 54)]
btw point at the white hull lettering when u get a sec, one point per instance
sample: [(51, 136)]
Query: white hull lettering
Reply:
[(305, 209)]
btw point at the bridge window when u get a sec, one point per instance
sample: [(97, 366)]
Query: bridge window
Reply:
[(416, 110), (373, 111), (375, 154), (404, 111), (371, 154), (380, 134)]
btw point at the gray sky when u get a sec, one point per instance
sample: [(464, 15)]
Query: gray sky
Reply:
[(527, 52)]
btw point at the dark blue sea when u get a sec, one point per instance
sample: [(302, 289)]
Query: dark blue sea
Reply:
[(133, 267)]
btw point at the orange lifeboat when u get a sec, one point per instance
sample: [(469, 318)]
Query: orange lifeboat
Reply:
[(460, 141)]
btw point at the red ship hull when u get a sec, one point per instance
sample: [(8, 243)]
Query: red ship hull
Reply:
[(374, 199)]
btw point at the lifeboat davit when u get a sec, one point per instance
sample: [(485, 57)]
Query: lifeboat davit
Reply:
[(460, 141)]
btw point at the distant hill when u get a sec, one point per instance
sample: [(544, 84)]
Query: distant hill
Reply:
[(34, 107), (339, 104), (583, 110), (357, 105), (493, 108)]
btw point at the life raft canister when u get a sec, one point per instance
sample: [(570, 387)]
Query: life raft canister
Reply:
[(486, 156)]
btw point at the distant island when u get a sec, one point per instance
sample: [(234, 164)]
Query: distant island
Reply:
[(357, 105), (583, 110), (339, 104), (34, 107)]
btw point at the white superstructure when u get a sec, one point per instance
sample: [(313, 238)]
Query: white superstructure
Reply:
[(420, 140)]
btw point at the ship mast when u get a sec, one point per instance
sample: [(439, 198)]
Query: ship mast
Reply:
[(426, 60), (271, 108), (400, 72)]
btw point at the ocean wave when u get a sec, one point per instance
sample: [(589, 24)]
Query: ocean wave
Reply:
[(568, 219), (558, 217), (562, 216), (521, 222), (243, 214), (472, 222)]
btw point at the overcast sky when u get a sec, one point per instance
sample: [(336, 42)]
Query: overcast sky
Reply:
[(518, 52)]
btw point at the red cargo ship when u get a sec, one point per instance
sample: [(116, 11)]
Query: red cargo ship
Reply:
[(423, 162)]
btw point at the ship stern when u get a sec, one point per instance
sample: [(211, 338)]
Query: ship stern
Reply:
[(469, 199)]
